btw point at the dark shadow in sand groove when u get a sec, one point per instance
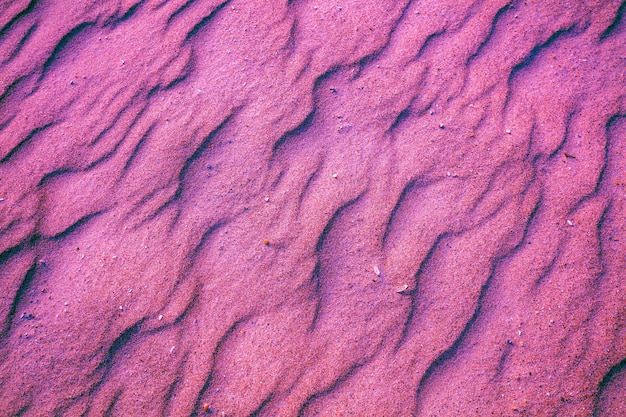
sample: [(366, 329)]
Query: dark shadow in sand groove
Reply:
[(25, 141), (193, 302), (402, 116), (332, 386), (529, 146), (310, 181), (568, 125), (196, 154), (316, 278), (369, 59), (538, 49), (202, 23), (308, 120), (131, 103), (528, 60), (54, 174), (427, 42), (9, 90), (76, 225), (7, 229), (547, 270), (29, 277), (606, 380), (499, 171), (63, 43), (329, 225), (613, 27), (411, 187), (108, 361), (263, 404), (17, 17), (125, 17), (14, 250), (108, 155), (126, 337), (605, 159), (600, 183), (193, 254), (178, 11), (171, 389), (184, 75), (316, 282), (452, 350), (492, 30), (415, 293), (21, 44), (449, 353), (508, 347), (529, 224), (114, 400), (204, 144), (148, 217), (597, 278), (220, 343), (290, 44), (298, 130), (137, 149)]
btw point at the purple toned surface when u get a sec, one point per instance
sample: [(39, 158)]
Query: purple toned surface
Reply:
[(312, 208)]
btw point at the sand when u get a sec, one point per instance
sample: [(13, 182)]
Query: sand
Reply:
[(312, 208)]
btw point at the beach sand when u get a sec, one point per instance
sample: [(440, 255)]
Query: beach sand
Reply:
[(312, 208)]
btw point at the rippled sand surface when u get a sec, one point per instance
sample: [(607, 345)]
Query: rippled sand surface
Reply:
[(312, 208)]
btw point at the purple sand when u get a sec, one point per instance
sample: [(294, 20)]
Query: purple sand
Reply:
[(312, 208)]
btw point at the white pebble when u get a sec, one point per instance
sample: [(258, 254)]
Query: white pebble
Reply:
[(402, 288)]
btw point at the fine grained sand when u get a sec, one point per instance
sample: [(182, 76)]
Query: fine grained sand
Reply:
[(312, 208)]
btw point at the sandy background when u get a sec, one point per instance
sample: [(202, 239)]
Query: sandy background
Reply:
[(312, 208)]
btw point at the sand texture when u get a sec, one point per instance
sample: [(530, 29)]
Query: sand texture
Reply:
[(312, 208)]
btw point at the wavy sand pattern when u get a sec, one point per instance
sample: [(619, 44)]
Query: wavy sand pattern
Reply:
[(312, 208)]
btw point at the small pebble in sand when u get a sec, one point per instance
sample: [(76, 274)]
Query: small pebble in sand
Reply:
[(402, 288)]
